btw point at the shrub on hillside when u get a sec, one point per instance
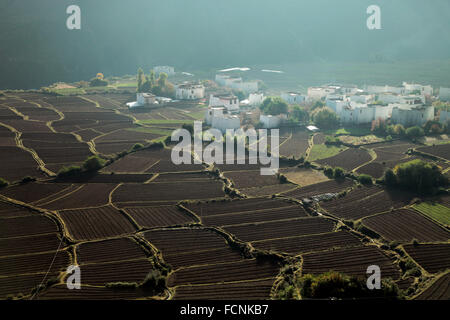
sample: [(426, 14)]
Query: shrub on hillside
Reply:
[(3, 183)]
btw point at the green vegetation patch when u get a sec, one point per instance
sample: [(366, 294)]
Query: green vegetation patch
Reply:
[(435, 211), (322, 151)]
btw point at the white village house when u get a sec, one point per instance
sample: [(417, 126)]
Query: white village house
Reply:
[(272, 122), (229, 101), (255, 99), (412, 115), (317, 93), (237, 83), (293, 97), (219, 118), (142, 100), (444, 117), (170, 71), (189, 91)]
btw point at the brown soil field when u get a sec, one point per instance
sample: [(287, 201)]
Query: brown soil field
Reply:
[(440, 150), (432, 257), (26, 226), (406, 225), (352, 261), (33, 263), (87, 134), (138, 161), (177, 241), (27, 126), (61, 292), (17, 164), (164, 191), (204, 209), (236, 271), (8, 210), (109, 250), (304, 177), (169, 166), (439, 290), (125, 271), (183, 176), (348, 160), (295, 146), (34, 191), (268, 190), (331, 186), (86, 196), (188, 259), (366, 201), (111, 178), (15, 285), (29, 244), (264, 215), (319, 138), (161, 216), (280, 229), (304, 244), (251, 290), (96, 223), (249, 179)]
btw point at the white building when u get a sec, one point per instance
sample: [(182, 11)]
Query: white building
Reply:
[(293, 97), (417, 88), (237, 83), (336, 102), (270, 121), (170, 71), (412, 115), (389, 98), (361, 98), (189, 91), (444, 117), (219, 118), (255, 99), (229, 101), (142, 100), (385, 89), (317, 93), (363, 114), (444, 94)]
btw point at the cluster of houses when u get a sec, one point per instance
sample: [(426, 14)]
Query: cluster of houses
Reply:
[(407, 104)]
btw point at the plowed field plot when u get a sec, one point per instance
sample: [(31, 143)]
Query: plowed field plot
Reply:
[(27, 126), (17, 164), (19, 284), (188, 176), (204, 209), (111, 178), (109, 101), (235, 271), (7, 115), (432, 257), (406, 225), (96, 223), (251, 290), (35, 113), (33, 263), (26, 226), (169, 166), (61, 292), (88, 134), (124, 271), (304, 177), (268, 190), (295, 146), (85, 196), (439, 290), (164, 191), (109, 250), (348, 160), (304, 244), (440, 150), (29, 244), (138, 161), (331, 186), (319, 138), (264, 215), (280, 229), (352, 261), (8, 210), (161, 216), (249, 179), (363, 202), (34, 191), (7, 138)]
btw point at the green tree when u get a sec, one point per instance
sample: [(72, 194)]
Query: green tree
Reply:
[(93, 163), (97, 82), (414, 132), (3, 183), (140, 79), (274, 106), (325, 118), (299, 113), (399, 130), (389, 178)]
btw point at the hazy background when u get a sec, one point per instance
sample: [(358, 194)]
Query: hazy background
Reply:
[(311, 40)]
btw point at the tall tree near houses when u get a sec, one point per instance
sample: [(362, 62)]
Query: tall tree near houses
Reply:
[(152, 78), (140, 79)]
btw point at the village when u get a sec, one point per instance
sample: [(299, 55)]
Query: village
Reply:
[(233, 102)]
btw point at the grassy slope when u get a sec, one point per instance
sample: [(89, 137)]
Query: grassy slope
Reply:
[(435, 211)]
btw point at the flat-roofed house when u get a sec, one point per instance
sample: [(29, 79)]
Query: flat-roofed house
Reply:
[(189, 91)]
